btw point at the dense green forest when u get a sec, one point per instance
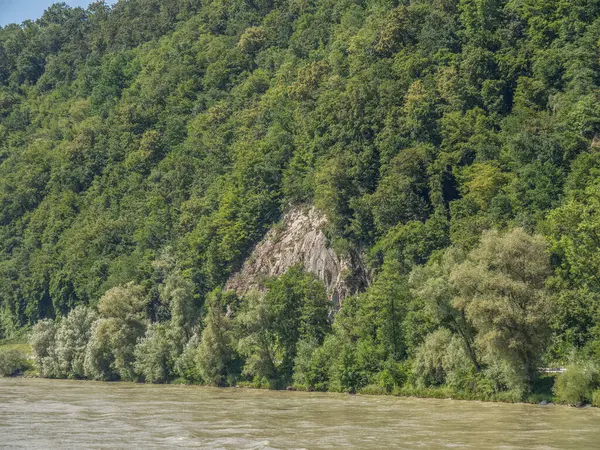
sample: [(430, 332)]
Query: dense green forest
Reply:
[(145, 148)]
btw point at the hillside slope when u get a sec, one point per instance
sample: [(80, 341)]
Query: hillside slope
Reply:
[(153, 144)]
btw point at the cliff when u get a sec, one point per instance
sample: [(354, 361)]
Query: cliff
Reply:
[(300, 239)]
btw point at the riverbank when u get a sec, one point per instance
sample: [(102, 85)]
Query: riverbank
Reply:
[(545, 398), (438, 393), (542, 393)]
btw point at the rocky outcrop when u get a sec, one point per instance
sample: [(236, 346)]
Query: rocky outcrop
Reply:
[(300, 239)]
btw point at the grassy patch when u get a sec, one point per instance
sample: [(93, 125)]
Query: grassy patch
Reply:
[(19, 346)]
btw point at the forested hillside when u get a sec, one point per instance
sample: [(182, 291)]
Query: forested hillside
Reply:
[(146, 148)]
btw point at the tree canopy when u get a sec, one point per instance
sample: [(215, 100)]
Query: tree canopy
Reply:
[(146, 147)]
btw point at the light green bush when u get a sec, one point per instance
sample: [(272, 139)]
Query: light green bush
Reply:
[(12, 362), (71, 339), (99, 363), (43, 346), (577, 384), (596, 398), (110, 350), (429, 360), (155, 354), (442, 359)]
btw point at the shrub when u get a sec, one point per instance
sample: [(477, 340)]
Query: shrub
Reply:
[(71, 339), (155, 354), (442, 359), (577, 384), (43, 346), (596, 398), (393, 376), (12, 362)]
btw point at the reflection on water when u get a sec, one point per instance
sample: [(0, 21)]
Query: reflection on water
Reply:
[(36, 413)]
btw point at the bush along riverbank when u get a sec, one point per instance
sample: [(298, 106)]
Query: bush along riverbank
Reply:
[(286, 336), (16, 358)]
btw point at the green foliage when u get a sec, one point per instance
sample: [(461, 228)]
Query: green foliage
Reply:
[(294, 308), (145, 148), (596, 398), (12, 362), (110, 350), (494, 298), (186, 364), (42, 342), (8, 328), (155, 354), (431, 284), (442, 360), (217, 358), (577, 385), (72, 336), (501, 289)]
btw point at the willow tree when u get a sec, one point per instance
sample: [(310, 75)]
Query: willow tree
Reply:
[(431, 284), (501, 287), (123, 320)]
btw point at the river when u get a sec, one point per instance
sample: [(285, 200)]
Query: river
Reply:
[(38, 413)]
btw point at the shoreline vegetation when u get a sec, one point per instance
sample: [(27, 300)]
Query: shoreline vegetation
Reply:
[(489, 329), (543, 399), (23, 367), (451, 148)]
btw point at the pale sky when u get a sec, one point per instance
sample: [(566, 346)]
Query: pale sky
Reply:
[(17, 11)]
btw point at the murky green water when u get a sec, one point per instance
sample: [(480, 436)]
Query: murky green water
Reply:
[(37, 413)]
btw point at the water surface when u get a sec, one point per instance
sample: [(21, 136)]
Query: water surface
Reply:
[(38, 413)]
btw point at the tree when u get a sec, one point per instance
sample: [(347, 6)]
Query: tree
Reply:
[(442, 359), (42, 342), (294, 307), (110, 351), (178, 292), (183, 129), (155, 354), (71, 339), (574, 230), (382, 312), (216, 356), (431, 283), (501, 288)]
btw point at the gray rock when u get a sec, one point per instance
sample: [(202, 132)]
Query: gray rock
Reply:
[(299, 239)]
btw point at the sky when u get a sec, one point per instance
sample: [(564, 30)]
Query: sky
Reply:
[(17, 11)]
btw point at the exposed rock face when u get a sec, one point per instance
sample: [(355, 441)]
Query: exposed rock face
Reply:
[(300, 240)]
